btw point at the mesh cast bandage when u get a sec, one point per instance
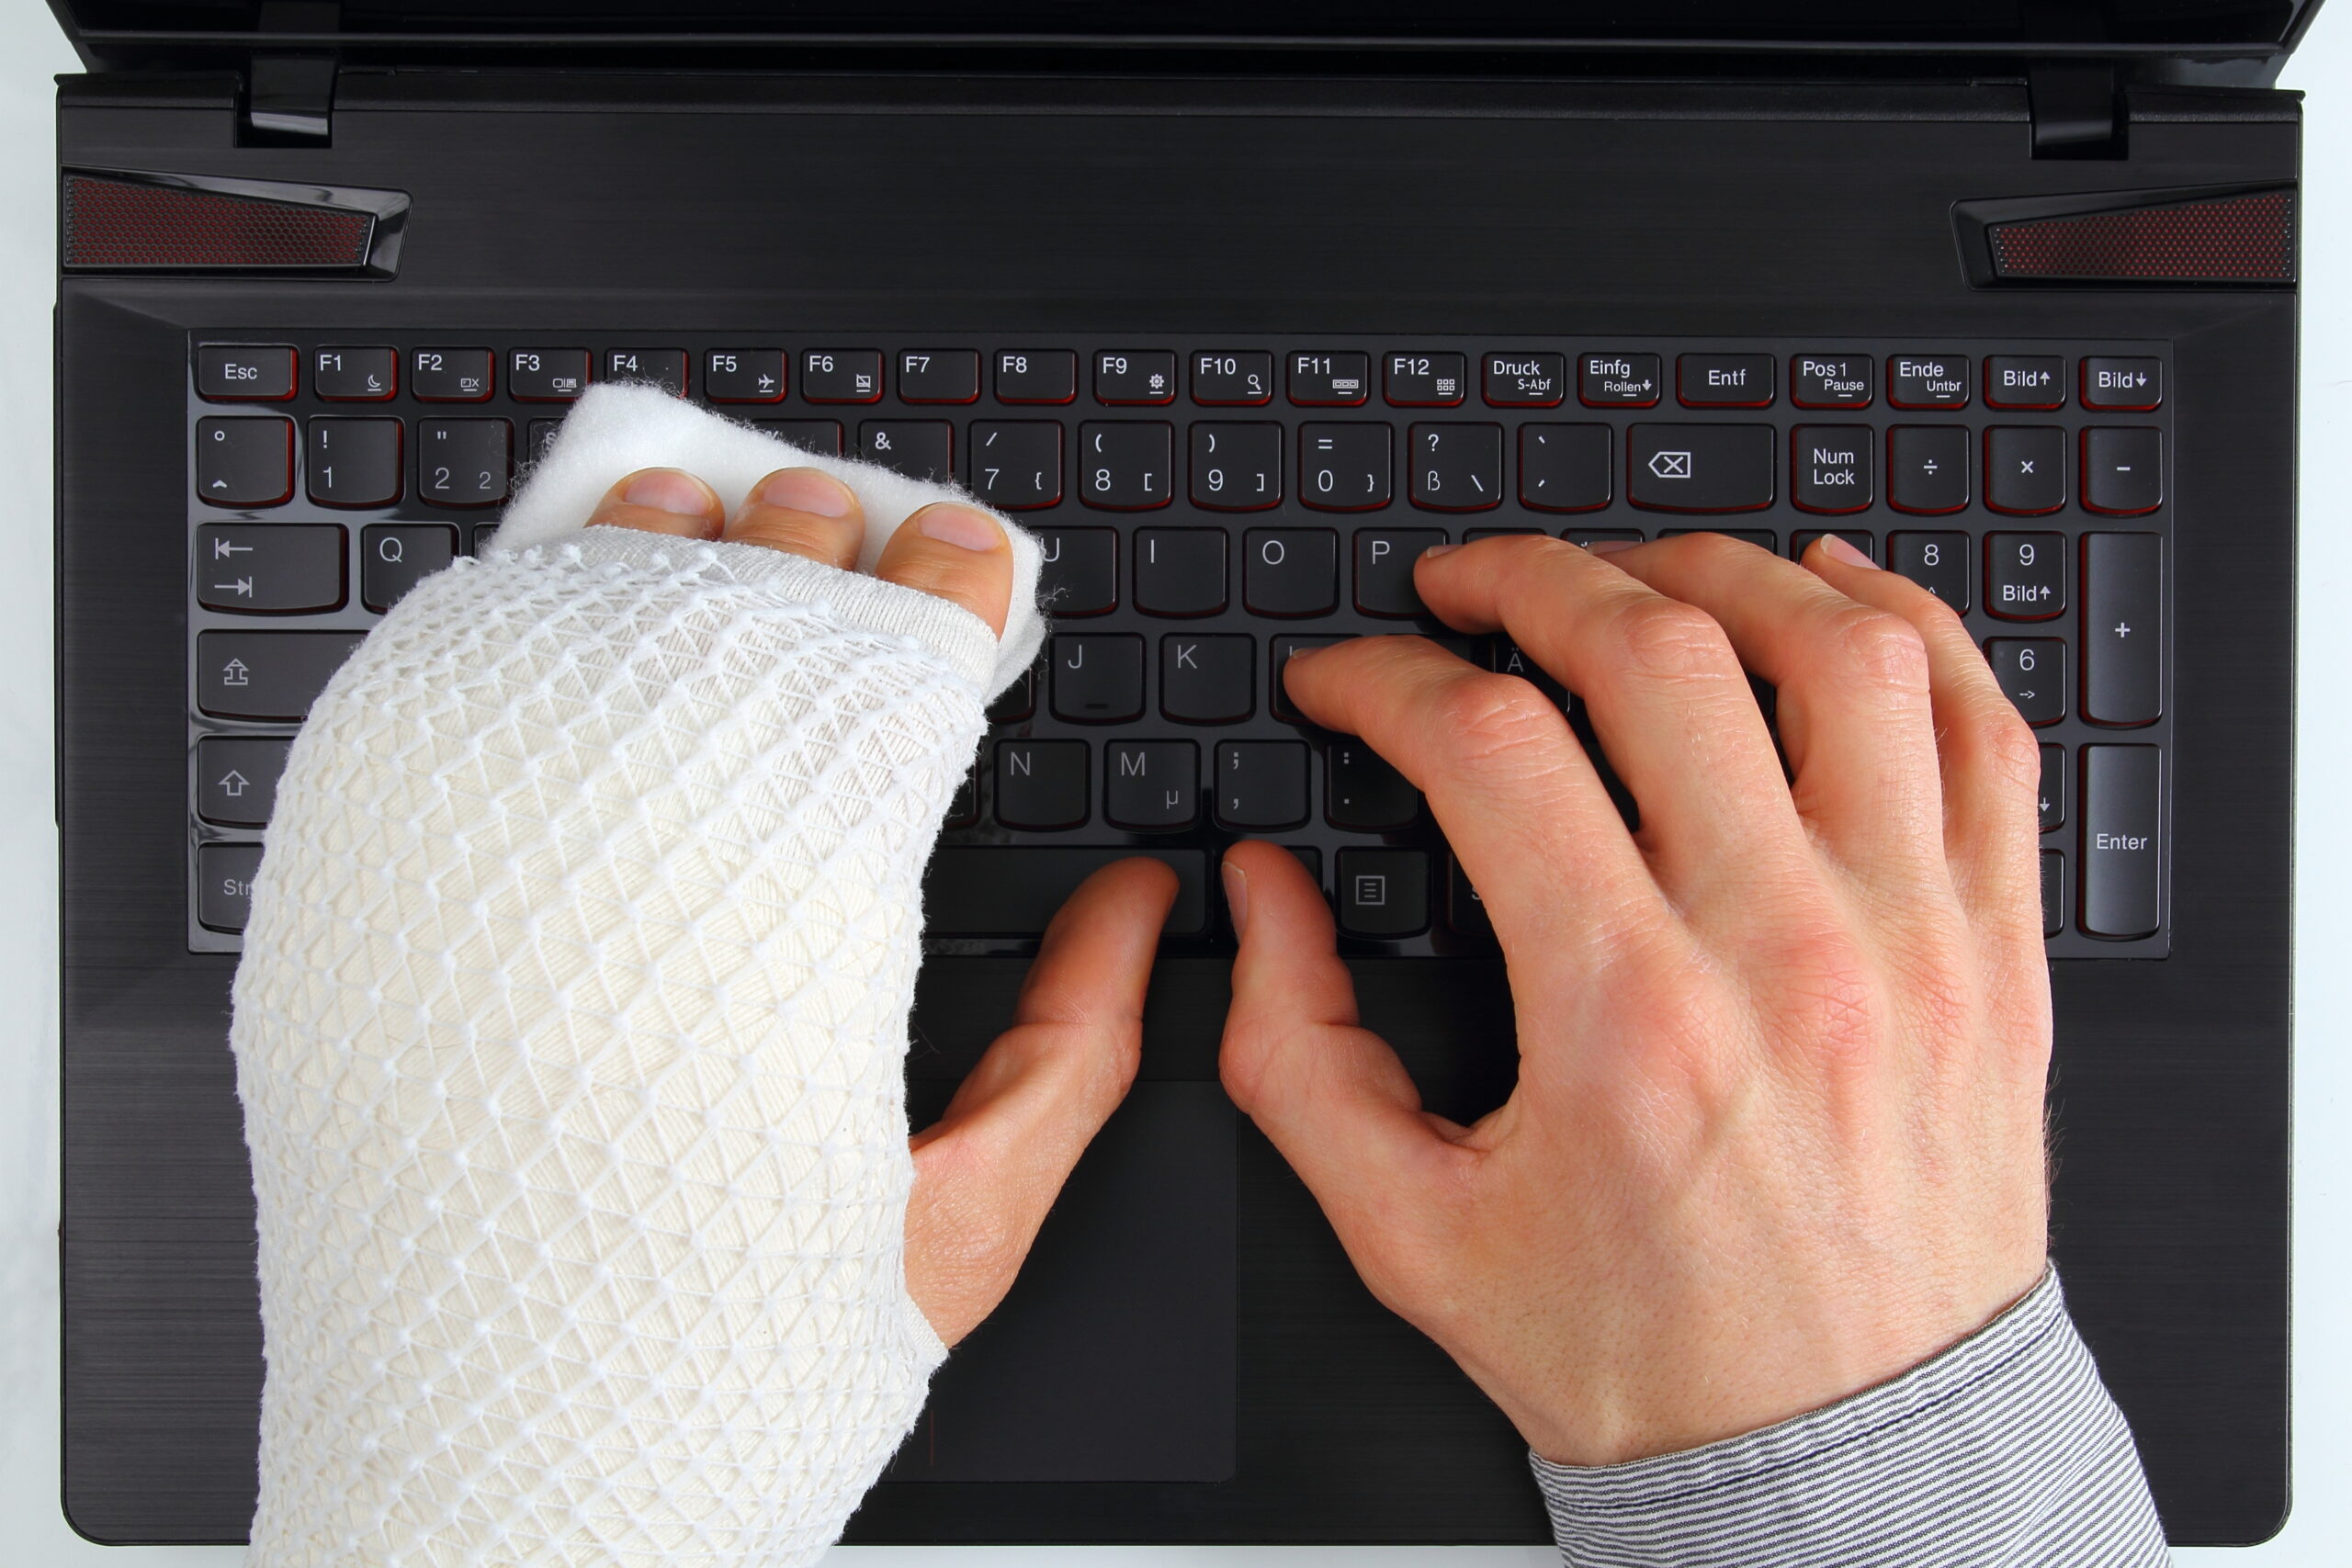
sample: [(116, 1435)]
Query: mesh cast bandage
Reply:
[(569, 1033)]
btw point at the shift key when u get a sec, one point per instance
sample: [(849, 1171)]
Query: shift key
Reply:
[(271, 676), (2122, 860), (1701, 467)]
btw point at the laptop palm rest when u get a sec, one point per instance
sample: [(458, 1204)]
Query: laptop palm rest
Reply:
[(1113, 1359)]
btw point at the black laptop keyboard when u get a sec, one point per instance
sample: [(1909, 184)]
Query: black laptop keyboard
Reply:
[(1209, 504)]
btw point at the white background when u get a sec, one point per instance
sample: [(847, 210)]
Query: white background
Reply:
[(33, 1533)]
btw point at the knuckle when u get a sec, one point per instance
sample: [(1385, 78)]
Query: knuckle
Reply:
[(1665, 640), (1831, 1004), (1494, 715), (2009, 748), (1880, 648)]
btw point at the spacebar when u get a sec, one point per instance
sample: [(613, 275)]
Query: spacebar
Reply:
[(1014, 890)]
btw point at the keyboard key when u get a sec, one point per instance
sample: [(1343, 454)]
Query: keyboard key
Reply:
[(1179, 572), (1831, 468), (1465, 912), (546, 375), (1455, 467), (270, 567), (743, 376), (2033, 673), (1208, 680), (2122, 841), (1229, 378), (918, 448), (1081, 570), (2025, 576), (1526, 380), (1343, 467), (663, 367), (1701, 467), (2051, 806), (449, 375), (1927, 381), (1724, 381), (1260, 784), (539, 439), (236, 778), (1124, 465), (1618, 381), (1366, 795), (1564, 467), (1097, 680), (1831, 381), (1937, 563), (1803, 540), (1151, 785), (1384, 893), (355, 375), (483, 534), (244, 372), (1290, 572), (2054, 893), (353, 462), (1505, 657), (1017, 465), (245, 462), (1425, 380), (396, 557), (1041, 784), (2025, 469), (939, 376), (1134, 376), (1001, 890), (1237, 468), (2122, 385), (2025, 381), (1037, 376), (1279, 695), (1018, 700), (842, 375), (2123, 470), (463, 462), (1384, 558), (269, 676), (2123, 628), (1927, 467), (1329, 380), (1584, 538), (224, 875), (1762, 538), (809, 434)]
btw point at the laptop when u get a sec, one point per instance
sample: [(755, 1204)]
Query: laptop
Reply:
[(1238, 305)]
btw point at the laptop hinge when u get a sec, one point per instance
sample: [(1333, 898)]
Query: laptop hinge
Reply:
[(290, 95), (2077, 108)]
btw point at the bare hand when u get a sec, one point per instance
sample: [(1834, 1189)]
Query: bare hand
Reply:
[(1778, 1130)]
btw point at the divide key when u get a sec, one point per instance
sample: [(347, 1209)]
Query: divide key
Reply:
[(1699, 467)]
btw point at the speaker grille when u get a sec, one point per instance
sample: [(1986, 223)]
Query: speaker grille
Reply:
[(116, 223), (2237, 239)]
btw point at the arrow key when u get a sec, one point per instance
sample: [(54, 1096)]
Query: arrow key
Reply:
[(236, 778), (2033, 673), (266, 568)]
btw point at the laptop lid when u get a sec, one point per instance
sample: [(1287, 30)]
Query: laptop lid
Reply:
[(2240, 42)]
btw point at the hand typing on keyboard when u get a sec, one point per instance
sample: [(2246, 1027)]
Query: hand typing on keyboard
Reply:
[(1777, 1136)]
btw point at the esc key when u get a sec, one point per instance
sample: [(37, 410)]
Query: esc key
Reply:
[(244, 372)]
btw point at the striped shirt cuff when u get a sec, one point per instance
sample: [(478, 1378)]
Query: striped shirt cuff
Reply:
[(2004, 1451)]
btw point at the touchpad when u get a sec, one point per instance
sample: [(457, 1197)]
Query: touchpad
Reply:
[(1112, 1360)]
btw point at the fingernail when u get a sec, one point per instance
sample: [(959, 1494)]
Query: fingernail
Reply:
[(667, 489), (1237, 896), (960, 526), (1435, 550), (1831, 545), (1610, 547), (808, 490)]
